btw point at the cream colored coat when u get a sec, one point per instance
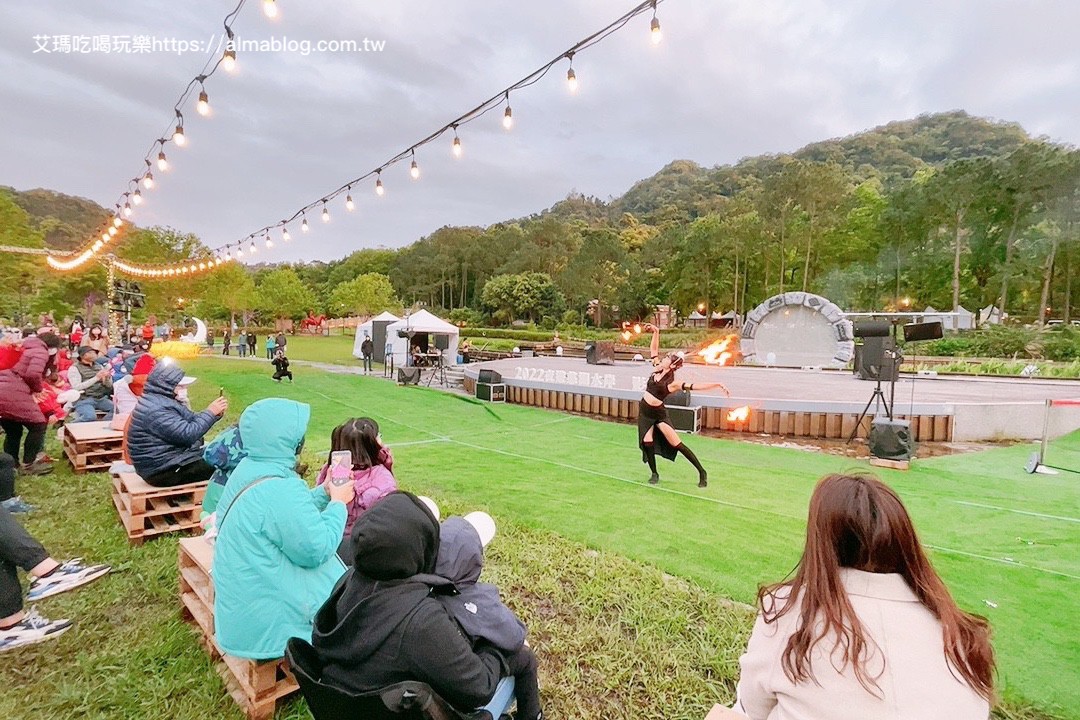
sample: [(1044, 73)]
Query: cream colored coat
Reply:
[(915, 681)]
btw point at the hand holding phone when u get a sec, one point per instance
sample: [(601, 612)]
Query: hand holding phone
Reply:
[(340, 467)]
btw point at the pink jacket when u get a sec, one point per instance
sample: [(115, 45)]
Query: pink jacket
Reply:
[(372, 485)]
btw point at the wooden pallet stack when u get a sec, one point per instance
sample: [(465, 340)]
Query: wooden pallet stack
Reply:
[(147, 511), (92, 446), (255, 686)]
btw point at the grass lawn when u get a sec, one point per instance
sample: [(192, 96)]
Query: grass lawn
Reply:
[(625, 586), (335, 349)]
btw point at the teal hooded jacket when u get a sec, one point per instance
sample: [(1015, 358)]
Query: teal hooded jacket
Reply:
[(275, 560)]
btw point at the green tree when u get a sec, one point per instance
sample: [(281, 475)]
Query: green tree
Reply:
[(597, 271), (367, 294), (227, 292), (282, 295)]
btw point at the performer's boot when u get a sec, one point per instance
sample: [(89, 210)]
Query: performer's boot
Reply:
[(649, 450), (703, 477)]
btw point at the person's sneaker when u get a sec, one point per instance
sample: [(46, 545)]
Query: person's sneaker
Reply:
[(653, 479), (33, 628), (17, 505), (36, 468), (68, 576), (703, 480)]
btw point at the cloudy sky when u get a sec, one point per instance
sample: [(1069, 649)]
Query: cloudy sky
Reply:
[(731, 78)]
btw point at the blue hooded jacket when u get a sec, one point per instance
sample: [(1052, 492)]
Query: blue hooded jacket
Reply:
[(275, 560), (164, 433)]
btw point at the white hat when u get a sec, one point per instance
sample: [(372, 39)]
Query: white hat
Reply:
[(484, 524), (430, 505), (186, 380)]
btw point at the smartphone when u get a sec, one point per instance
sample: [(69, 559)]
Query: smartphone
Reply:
[(221, 392), (340, 467)]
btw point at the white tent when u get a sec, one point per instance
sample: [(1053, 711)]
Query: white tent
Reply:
[(695, 319), (422, 323), (366, 328), (990, 315), (962, 319)]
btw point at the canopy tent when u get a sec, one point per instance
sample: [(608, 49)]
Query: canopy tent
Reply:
[(426, 329), (366, 328), (962, 319), (695, 319)]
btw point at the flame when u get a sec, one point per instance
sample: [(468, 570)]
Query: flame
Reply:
[(626, 336), (739, 414), (720, 352)]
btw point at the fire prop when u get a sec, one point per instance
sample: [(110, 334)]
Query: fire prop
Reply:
[(630, 331), (739, 415), (720, 352)]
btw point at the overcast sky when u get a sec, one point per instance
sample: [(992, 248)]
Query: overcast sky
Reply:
[(731, 78)]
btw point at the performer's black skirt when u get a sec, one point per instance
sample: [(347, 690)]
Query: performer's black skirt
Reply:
[(650, 417)]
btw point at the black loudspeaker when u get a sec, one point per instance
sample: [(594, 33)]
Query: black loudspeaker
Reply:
[(491, 392), (922, 331), (442, 342), (601, 352), (891, 439), (378, 339), (685, 419), (489, 377), (680, 398), (875, 358), (408, 376), (871, 328)]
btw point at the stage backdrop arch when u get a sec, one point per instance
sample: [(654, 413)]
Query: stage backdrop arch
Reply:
[(422, 322), (797, 329), (367, 327)]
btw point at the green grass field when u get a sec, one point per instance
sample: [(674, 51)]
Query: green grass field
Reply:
[(626, 587)]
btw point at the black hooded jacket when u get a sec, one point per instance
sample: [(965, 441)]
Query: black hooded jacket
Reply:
[(382, 625)]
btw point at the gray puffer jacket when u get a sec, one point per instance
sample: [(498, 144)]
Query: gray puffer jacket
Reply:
[(163, 433)]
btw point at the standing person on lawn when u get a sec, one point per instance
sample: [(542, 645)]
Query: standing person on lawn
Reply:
[(270, 345), (19, 627), (242, 343), (226, 340), (280, 342), (367, 349), (253, 341), (19, 410)]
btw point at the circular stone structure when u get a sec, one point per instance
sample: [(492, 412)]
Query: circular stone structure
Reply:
[(797, 329)]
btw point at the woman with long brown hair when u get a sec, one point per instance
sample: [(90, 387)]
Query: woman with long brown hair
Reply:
[(865, 628)]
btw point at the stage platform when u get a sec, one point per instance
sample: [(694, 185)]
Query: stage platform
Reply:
[(799, 403)]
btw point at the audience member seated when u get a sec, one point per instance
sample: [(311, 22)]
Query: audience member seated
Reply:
[(128, 389), (95, 385), (382, 624), (370, 471), (164, 437), (865, 629), (224, 453), (478, 609), (274, 560)]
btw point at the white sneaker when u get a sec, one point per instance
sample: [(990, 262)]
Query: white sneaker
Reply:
[(68, 576), (32, 629)]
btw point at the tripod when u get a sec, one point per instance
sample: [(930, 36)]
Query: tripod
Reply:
[(878, 395), (438, 369)]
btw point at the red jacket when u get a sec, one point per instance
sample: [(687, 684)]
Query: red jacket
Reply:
[(20, 383)]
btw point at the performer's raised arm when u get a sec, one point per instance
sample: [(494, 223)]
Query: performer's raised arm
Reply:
[(654, 346)]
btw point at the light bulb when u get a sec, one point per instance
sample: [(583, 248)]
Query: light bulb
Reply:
[(104, 237), (136, 197), (178, 136), (349, 204), (117, 222), (571, 80), (228, 60), (414, 170), (162, 163), (325, 214), (655, 30), (239, 252), (97, 246), (203, 106), (202, 266), (127, 209), (508, 118), (456, 147), (192, 267), (285, 235), (252, 250), (304, 226), (270, 8), (269, 242), (112, 230), (148, 180), (379, 190)]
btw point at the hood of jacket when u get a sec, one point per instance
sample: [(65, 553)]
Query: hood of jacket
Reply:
[(396, 544), (461, 555), (164, 379), (272, 430)]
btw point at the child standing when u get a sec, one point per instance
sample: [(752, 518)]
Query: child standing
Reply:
[(371, 471), (479, 610), (281, 367)]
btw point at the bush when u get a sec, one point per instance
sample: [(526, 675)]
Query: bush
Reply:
[(466, 316), (997, 341), (571, 318)]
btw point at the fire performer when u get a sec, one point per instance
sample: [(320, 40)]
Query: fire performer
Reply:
[(655, 433)]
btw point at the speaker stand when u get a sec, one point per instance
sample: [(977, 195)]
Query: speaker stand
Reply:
[(877, 396)]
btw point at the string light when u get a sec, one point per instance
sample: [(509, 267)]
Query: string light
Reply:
[(228, 58), (117, 222), (456, 147), (252, 250), (654, 27), (304, 226), (203, 105), (269, 242), (325, 213), (508, 114), (127, 209), (379, 190), (285, 237), (162, 163), (270, 8), (113, 230), (571, 76), (178, 134), (414, 169), (349, 204), (136, 197)]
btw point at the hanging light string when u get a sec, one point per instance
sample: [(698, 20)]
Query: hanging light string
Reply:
[(132, 197), (500, 99)]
